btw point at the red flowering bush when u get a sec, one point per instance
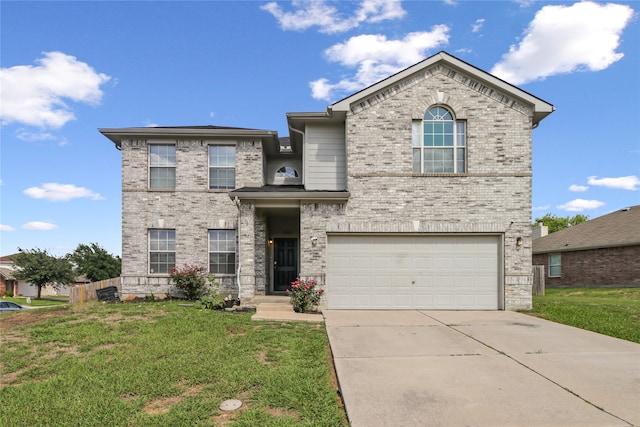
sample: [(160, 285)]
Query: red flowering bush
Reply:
[(190, 279), (304, 295)]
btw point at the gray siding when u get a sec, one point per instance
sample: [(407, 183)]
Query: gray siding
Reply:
[(325, 164)]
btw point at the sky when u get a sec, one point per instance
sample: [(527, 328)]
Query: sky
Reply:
[(70, 68)]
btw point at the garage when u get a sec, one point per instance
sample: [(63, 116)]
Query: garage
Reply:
[(441, 272)]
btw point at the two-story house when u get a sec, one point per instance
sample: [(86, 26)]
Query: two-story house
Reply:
[(412, 193)]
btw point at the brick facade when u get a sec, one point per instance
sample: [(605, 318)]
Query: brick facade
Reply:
[(384, 195), (615, 267)]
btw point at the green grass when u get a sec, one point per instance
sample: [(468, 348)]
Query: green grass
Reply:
[(159, 364), (610, 311), (43, 302)]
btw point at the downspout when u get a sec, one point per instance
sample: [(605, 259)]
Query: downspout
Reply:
[(237, 202)]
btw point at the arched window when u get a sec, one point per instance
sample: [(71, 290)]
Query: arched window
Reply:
[(286, 172), (439, 143)]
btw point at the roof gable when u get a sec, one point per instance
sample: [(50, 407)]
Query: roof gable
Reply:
[(465, 73), (619, 228)]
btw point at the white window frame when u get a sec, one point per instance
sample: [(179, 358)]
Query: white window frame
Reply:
[(169, 248), (222, 167), (553, 265), (157, 166), (459, 143), (231, 247)]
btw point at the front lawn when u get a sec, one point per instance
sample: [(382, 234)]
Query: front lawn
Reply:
[(609, 311), (161, 364)]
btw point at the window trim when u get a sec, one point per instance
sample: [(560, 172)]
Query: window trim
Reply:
[(557, 265), (159, 251), (210, 167), (234, 252), (417, 143), (167, 167)]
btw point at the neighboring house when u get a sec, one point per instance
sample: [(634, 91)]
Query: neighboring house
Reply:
[(8, 283), (412, 193), (23, 287), (604, 251)]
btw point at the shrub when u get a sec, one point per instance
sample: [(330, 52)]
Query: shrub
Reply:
[(189, 279), (304, 295), (213, 300)]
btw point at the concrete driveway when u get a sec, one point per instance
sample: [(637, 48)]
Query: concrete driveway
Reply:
[(480, 368)]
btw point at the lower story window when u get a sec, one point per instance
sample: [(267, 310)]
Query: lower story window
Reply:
[(162, 251), (555, 265), (222, 251)]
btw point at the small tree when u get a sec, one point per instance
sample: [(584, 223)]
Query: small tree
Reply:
[(556, 223), (95, 262), (190, 279), (41, 269)]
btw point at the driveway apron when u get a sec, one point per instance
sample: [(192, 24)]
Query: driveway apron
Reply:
[(480, 368)]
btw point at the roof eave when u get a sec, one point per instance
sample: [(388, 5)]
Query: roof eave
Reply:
[(116, 135), (541, 108), (583, 248), (288, 195)]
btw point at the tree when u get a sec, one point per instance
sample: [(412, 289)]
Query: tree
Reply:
[(95, 262), (41, 269), (556, 223)]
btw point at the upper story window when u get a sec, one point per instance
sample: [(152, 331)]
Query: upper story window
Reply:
[(439, 143), (162, 250), (286, 172), (162, 167), (222, 167)]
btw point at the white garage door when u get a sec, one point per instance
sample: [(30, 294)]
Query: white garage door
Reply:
[(413, 272)]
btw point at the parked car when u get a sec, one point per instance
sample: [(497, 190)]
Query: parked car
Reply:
[(11, 306)]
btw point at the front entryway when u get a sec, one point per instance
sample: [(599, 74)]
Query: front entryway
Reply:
[(285, 264)]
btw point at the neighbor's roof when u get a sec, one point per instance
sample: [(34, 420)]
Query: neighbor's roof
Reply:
[(7, 273), (619, 228)]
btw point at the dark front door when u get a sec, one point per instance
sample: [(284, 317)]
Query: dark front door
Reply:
[(285, 269)]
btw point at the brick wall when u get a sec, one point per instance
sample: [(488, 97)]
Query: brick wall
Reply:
[(595, 267), (191, 209)]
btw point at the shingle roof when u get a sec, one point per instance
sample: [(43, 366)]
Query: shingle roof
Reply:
[(619, 228), (7, 273)]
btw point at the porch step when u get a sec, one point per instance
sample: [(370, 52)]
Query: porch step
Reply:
[(283, 311), (274, 306), (275, 299)]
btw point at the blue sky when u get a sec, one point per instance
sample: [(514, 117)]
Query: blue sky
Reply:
[(69, 68)]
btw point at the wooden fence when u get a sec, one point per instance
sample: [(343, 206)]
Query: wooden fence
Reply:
[(538, 280), (87, 292)]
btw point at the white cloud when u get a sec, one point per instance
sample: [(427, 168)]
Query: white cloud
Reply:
[(36, 95), (477, 26), (542, 208), (376, 58), (60, 192), (578, 188), (39, 225), (318, 13), (579, 205), (623, 183), (564, 39), (26, 135), (6, 227)]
